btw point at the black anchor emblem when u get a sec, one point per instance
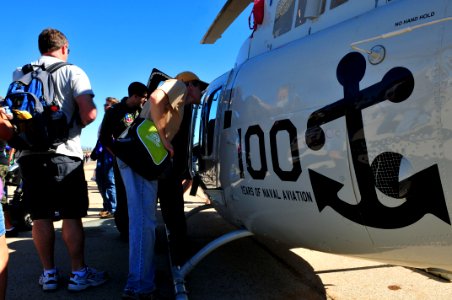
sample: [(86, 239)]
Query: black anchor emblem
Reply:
[(423, 191)]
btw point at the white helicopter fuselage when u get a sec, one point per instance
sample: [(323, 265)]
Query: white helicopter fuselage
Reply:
[(337, 134)]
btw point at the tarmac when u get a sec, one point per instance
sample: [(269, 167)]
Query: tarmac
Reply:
[(248, 268)]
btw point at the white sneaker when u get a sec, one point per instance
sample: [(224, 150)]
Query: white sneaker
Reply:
[(49, 282), (92, 278)]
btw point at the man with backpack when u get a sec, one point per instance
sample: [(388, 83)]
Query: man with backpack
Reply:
[(53, 178)]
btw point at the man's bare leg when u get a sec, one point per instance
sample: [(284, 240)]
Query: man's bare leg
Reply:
[(44, 240), (74, 238), (4, 255)]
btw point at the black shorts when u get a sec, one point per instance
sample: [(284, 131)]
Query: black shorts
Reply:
[(54, 183)]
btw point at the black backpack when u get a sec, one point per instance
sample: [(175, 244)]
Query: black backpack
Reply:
[(38, 120)]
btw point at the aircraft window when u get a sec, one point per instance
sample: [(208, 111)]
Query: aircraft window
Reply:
[(336, 3), (209, 115), (284, 17), (197, 141), (301, 19), (214, 106), (322, 9), (196, 120)]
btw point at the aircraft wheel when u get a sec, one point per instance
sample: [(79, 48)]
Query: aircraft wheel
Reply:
[(122, 220)]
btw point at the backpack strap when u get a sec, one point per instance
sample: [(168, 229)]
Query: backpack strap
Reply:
[(28, 68), (53, 67)]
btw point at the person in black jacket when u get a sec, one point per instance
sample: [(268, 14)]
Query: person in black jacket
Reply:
[(116, 120), (104, 173)]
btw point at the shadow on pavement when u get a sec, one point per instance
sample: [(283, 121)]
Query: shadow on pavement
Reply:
[(246, 268), (243, 269), (104, 251)]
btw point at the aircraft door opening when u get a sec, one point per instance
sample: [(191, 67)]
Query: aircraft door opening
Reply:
[(204, 125)]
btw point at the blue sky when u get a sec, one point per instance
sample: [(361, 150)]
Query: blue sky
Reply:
[(118, 42)]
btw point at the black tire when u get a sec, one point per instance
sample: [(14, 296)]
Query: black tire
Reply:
[(122, 224), (121, 213), (27, 223), (122, 219), (20, 218)]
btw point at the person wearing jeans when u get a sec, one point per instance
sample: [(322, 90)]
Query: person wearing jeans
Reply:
[(4, 252), (142, 224), (165, 108)]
